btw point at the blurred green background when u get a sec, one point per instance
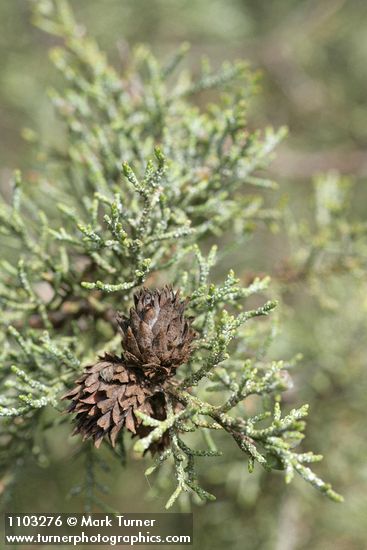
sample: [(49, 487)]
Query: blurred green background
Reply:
[(313, 58)]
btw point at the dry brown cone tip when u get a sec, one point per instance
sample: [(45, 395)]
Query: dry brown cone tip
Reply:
[(156, 339)]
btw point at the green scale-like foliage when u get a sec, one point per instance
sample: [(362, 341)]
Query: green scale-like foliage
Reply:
[(146, 176)]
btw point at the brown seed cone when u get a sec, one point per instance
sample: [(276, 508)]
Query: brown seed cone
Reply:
[(157, 338)]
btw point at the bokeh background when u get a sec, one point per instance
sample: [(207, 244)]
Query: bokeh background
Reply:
[(313, 58)]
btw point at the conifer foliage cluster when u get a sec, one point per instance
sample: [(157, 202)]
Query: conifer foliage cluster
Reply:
[(156, 163)]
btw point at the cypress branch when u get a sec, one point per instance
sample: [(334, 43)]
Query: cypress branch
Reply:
[(117, 211)]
